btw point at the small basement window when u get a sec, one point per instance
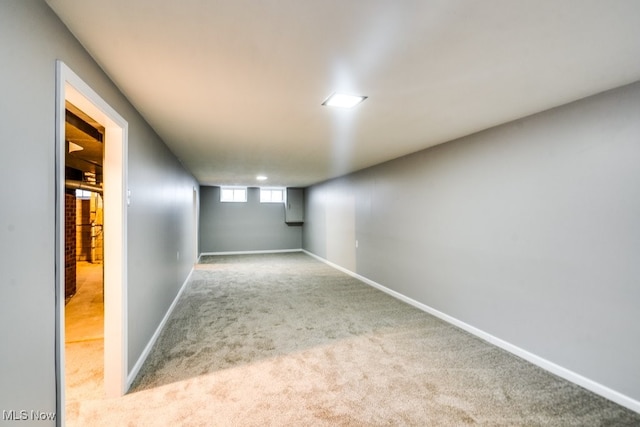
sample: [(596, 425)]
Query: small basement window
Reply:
[(233, 194), (272, 195), (83, 194)]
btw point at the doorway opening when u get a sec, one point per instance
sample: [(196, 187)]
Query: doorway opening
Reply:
[(84, 258), (74, 95)]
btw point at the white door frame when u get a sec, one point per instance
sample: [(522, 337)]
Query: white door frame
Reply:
[(70, 87)]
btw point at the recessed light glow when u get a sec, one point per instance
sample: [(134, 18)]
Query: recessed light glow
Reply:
[(74, 147), (342, 100), (261, 178)]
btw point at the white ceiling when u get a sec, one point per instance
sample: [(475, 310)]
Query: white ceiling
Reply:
[(234, 87)]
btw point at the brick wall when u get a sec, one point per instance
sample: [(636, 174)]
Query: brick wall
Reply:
[(83, 230), (70, 244), (89, 236)]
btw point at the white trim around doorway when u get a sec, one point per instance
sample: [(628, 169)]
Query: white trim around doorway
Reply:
[(70, 87)]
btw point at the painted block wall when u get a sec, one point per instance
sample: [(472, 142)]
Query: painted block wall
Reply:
[(239, 227), (161, 218), (529, 231)]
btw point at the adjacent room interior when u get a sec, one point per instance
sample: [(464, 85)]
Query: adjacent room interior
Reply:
[(84, 257)]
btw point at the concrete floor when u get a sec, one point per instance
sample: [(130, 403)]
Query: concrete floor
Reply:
[(84, 314), (84, 336)]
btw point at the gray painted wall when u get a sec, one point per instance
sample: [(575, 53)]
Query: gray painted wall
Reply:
[(529, 231), (250, 226), (161, 218)]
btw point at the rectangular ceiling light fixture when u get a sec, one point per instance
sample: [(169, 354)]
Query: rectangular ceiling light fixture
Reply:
[(342, 100)]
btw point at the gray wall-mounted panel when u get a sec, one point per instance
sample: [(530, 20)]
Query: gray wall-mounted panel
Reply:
[(294, 207)]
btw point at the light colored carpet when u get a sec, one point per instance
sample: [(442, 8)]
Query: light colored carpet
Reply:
[(284, 340)]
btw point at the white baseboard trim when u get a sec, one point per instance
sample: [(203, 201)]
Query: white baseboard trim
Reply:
[(145, 353), (545, 364), (269, 251)]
